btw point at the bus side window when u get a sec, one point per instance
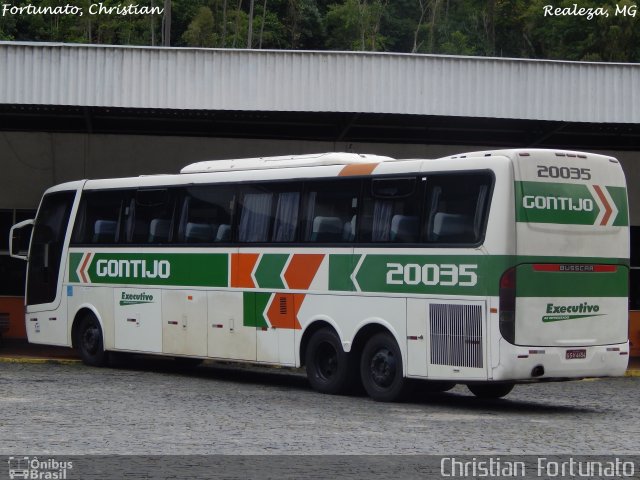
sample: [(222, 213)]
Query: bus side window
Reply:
[(205, 214), (269, 213), (331, 209), (255, 217), (150, 217), (98, 219), (457, 208), (391, 210)]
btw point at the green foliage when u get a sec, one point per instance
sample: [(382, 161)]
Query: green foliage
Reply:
[(200, 32), (355, 25), (504, 28)]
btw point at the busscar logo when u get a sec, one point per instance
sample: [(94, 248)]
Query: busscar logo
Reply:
[(35, 468), (571, 312)]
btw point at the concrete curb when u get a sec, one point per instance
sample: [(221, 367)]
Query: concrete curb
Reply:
[(33, 360)]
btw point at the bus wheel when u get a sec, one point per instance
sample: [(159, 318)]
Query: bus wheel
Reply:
[(381, 369), (489, 390), (90, 342), (329, 367)]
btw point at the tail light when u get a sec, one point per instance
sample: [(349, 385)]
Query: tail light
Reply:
[(508, 305)]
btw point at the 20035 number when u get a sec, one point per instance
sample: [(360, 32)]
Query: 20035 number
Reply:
[(446, 274), (569, 173)]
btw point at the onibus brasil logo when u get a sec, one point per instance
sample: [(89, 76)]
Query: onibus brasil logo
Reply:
[(35, 468)]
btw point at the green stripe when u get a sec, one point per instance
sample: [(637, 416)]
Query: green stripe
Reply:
[(560, 318), (619, 196), (254, 305), (269, 270), (185, 269), (409, 274), (340, 268), (565, 203), (571, 284), (74, 263), (377, 270)]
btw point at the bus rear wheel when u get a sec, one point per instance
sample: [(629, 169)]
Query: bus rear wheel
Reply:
[(489, 390), (329, 367), (89, 341), (381, 369)]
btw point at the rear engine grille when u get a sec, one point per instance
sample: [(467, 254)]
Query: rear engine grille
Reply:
[(456, 335)]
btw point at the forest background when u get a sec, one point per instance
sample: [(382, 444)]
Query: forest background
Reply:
[(499, 28)]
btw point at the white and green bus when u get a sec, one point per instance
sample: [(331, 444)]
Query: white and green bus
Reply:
[(485, 269)]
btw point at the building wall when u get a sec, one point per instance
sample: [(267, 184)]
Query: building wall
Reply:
[(303, 81), (32, 162)]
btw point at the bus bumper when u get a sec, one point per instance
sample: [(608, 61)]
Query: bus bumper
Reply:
[(558, 363)]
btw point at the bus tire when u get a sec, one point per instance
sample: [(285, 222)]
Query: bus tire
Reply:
[(381, 369), (490, 390), (329, 368), (90, 342)]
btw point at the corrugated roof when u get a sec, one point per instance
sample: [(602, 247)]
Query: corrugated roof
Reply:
[(295, 81)]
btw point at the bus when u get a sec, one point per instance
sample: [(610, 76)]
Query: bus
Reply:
[(483, 269)]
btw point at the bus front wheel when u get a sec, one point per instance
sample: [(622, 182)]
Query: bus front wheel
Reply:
[(329, 367), (90, 342), (381, 369)]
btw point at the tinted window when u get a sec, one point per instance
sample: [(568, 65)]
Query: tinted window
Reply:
[(149, 217), (391, 211), (269, 213), (457, 206), (331, 211), (206, 214), (98, 219), (45, 252)]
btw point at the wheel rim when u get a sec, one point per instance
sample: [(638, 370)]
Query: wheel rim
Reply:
[(91, 339), (383, 368), (326, 361)]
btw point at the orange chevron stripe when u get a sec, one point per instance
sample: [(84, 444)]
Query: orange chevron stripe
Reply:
[(83, 269), (607, 208), (358, 169), (281, 313), (298, 299), (242, 264), (302, 270)]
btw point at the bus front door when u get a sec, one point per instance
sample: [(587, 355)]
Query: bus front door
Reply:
[(46, 313)]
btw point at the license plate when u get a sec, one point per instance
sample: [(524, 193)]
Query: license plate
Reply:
[(573, 354)]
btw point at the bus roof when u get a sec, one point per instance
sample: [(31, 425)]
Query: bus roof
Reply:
[(526, 152), (287, 161)]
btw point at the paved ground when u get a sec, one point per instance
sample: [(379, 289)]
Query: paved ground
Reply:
[(62, 409)]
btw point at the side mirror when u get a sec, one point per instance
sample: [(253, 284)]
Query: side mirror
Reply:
[(16, 239)]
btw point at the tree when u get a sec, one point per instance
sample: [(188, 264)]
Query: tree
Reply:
[(200, 32), (510, 28), (355, 25)]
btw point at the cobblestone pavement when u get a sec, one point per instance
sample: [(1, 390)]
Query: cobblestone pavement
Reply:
[(153, 408)]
